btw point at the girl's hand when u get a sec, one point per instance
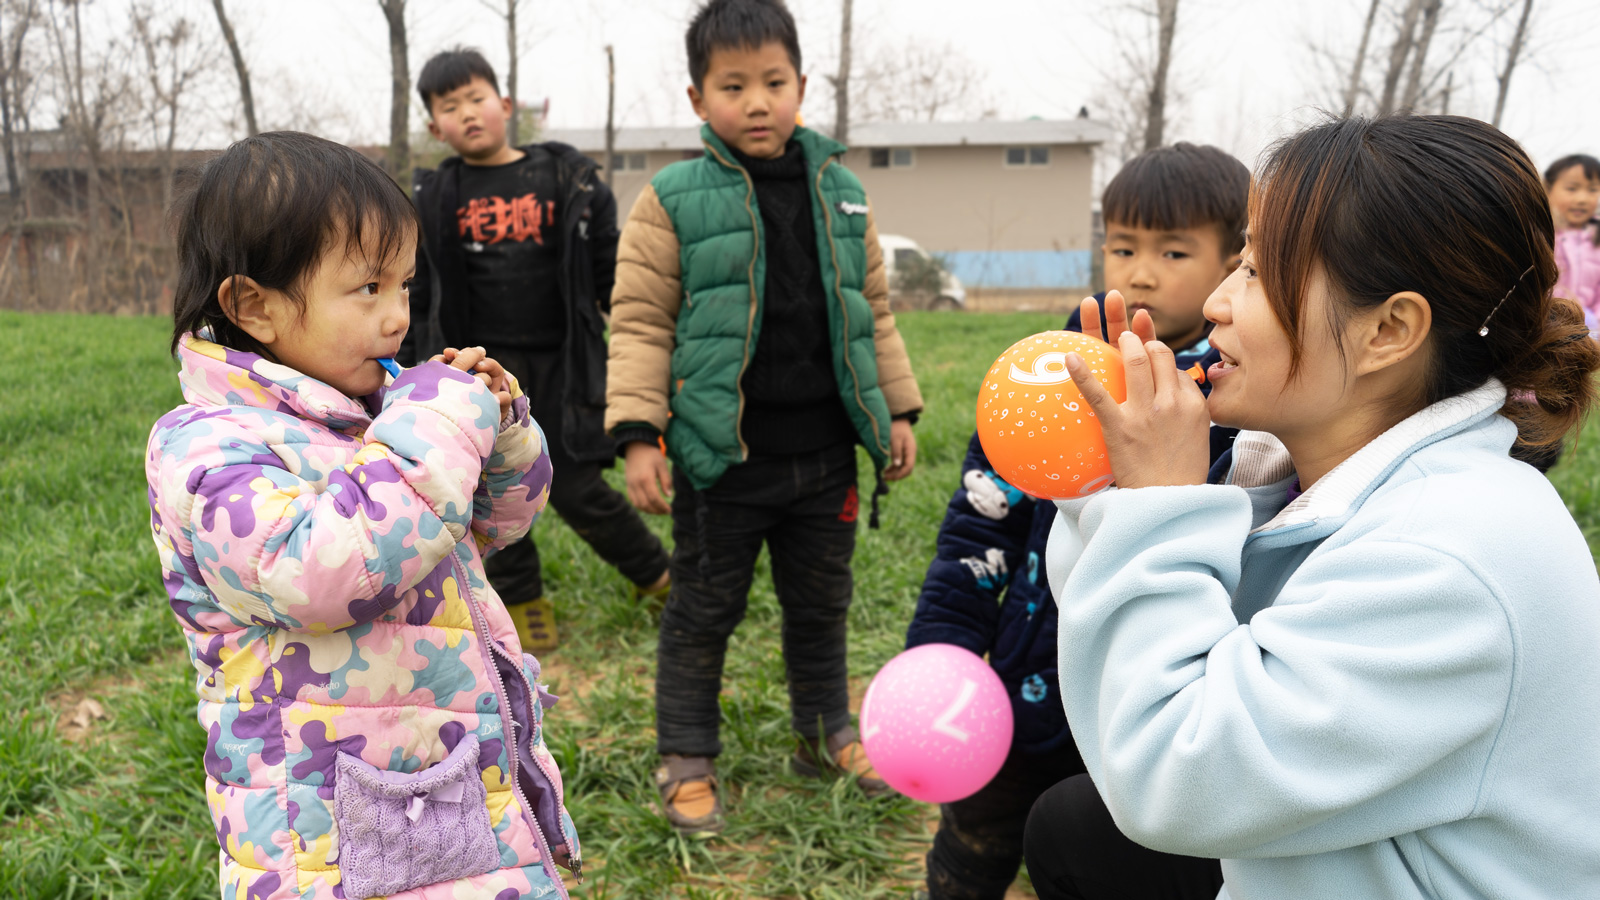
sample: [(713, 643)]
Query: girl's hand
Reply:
[(1116, 320), (476, 360), (1160, 436)]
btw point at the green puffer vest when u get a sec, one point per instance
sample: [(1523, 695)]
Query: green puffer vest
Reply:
[(712, 204)]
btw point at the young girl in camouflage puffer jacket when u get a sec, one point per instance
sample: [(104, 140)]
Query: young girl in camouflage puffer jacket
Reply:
[(375, 728)]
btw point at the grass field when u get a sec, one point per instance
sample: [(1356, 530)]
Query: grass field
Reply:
[(100, 776)]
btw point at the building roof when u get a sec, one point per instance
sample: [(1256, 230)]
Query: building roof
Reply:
[(986, 132)]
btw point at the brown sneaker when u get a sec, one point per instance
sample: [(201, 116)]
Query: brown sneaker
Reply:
[(688, 786), (845, 756), (536, 625)]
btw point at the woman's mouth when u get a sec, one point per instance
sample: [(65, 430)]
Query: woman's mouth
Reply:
[(1222, 367)]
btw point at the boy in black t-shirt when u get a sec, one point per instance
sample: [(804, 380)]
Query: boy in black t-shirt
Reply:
[(517, 256)]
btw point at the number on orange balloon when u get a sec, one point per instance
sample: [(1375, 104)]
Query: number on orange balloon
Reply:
[(1037, 430)]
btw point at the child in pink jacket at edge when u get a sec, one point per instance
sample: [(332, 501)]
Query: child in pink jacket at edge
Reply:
[(375, 728), (1573, 184)]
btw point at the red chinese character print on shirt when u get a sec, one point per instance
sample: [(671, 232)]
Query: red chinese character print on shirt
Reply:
[(490, 220)]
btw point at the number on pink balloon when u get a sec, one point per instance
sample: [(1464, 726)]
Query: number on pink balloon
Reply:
[(936, 723)]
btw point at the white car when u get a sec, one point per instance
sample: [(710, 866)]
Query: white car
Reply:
[(897, 251)]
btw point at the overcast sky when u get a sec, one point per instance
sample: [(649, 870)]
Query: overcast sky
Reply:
[(1245, 69)]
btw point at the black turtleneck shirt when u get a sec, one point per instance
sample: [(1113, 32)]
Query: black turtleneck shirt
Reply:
[(792, 402)]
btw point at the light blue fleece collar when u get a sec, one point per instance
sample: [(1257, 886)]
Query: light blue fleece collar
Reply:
[(1260, 459)]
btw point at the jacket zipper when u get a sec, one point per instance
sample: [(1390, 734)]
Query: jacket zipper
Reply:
[(750, 326), (844, 309), (509, 724)]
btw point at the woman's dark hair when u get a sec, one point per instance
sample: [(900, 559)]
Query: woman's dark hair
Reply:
[(1452, 209), (446, 71), (269, 208), (736, 24), (1178, 187)]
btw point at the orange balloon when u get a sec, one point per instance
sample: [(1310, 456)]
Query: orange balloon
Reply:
[(1037, 430)]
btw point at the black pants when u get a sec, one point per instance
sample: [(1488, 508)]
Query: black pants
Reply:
[(599, 515), (978, 847), (1075, 852), (804, 507)]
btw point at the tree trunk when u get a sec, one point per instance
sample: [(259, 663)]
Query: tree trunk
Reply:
[(10, 69), (841, 81), (245, 96), (1156, 122), (611, 111), (89, 135), (511, 72), (400, 89), (1449, 82), (1511, 62), (1353, 91), (1397, 56), (1419, 56)]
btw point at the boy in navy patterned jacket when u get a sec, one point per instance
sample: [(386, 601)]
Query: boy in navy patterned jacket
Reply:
[(1174, 228)]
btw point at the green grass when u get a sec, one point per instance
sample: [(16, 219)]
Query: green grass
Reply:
[(83, 613)]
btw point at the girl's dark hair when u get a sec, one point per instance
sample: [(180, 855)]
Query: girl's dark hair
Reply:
[(1591, 172), (1591, 168), (1452, 209), (1178, 187), (270, 207), (736, 24)]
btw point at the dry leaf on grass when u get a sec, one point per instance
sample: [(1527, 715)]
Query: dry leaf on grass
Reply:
[(82, 718)]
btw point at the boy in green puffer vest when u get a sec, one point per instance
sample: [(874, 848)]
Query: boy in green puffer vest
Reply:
[(751, 329)]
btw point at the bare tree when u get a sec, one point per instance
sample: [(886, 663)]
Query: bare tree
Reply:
[(1137, 92), (400, 90), (611, 113), (841, 80), (1431, 39), (1419, 55), (922, 82), (507, 11), (89, 100), (1156, 112), (173, 59), (1397, 55), (1515, 50), (1353, 92), (10, 75), (239, 67)]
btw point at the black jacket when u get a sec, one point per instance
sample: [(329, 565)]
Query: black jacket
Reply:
[(986, 588), (588, 267)]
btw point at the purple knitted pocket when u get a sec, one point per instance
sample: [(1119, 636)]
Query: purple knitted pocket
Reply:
[(399, 831)]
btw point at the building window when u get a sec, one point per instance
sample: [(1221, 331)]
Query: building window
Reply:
[(628, 162), (897, 157), (1027, 156)]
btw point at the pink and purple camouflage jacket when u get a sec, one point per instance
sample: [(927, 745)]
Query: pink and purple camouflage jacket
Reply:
[(375, 729)]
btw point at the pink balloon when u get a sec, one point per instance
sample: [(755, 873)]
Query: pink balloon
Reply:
[(936, 723)]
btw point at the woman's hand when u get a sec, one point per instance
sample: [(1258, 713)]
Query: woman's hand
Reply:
[(1116, 320), (1160, 435)]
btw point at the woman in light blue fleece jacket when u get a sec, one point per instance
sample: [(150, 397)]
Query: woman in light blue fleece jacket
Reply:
[(1367, 665)]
